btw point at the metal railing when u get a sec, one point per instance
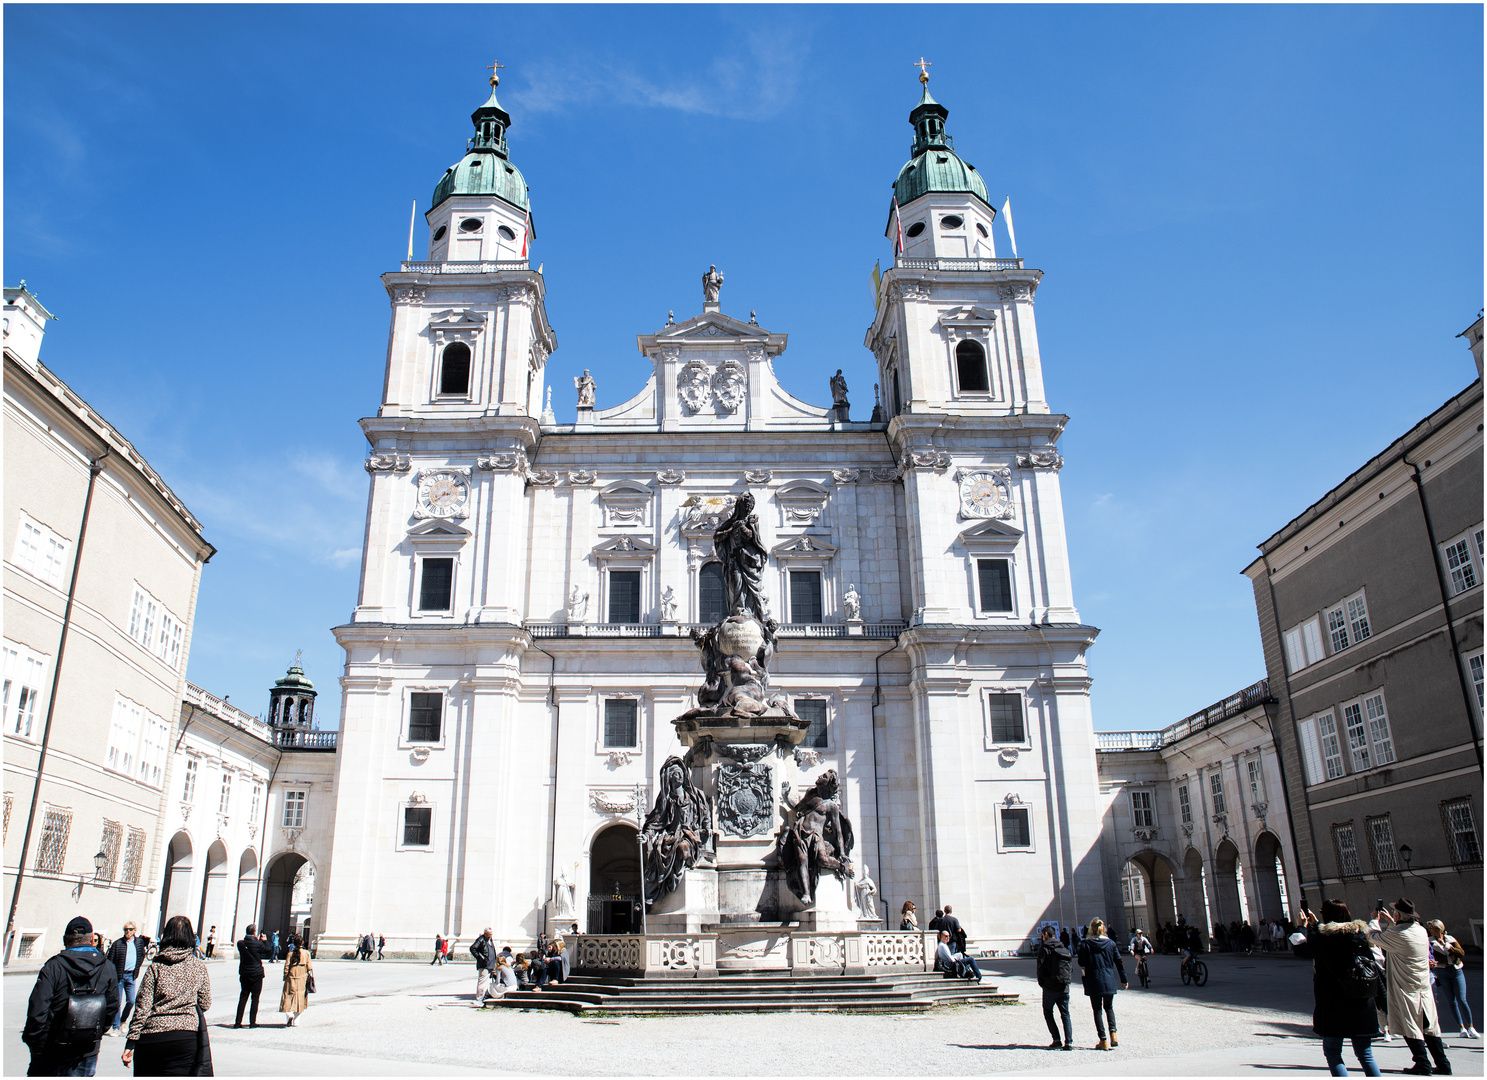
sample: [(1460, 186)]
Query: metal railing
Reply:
[(956, 264), (464, 267), (1233, 705)]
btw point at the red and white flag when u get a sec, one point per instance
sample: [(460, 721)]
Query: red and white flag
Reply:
[(898, 223), (526, 232)]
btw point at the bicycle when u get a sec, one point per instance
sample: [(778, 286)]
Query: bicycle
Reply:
[(1143, 973), (1194, 971)]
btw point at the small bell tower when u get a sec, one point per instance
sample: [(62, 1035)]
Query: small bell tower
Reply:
[(291, 704)]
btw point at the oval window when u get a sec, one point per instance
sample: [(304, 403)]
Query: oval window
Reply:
[(471, 224), (980, 228), (915, 229), (952, 222), (439, 233), (507, 233)]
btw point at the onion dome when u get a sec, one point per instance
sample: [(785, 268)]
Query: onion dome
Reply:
[(934, 166), (294, 679), (485, 169)]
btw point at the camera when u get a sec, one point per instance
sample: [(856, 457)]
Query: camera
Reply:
[(1379, 905)]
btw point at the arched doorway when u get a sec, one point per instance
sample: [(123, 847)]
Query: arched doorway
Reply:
[(1270, 877), (1192, 895), (1147, 893), (614, 882), (1227, 883), (175, 894), (278, 894), (214, 892), (247, 893)]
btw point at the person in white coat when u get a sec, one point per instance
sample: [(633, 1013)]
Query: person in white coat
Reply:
[(1412, 1013)]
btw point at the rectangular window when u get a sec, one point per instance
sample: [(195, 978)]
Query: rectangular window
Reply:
[(814, 710), (1347, 850), (1141, 812), (1474, 665), (436, 586), (294, 809), (1463, 569), (1381, 839), (24, 672), (153, 626), (1304, 644), (1331, 746), (1337, 629), (1461, 831), (257, 800), (995, 579), (123, 736), (1311, 750), (712, 598), (1378, 729), (1185, 804), (1256, 782), (624, 596), (113, 834), (805, 596), (224, 803), (188, 788), (417, 825), (39, 551), (51, 853), (134, 855), (423, 717), (1358, 618), (620, 727), (153, 746), (1004, 713), (1352, 716), (1016, 829), (1216, 791)]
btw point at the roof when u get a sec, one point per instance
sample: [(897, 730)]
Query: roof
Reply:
[(294, 679), (485, 170), (934, 165)]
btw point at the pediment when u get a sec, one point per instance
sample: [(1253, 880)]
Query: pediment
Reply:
[(438, 529), (456, 319), (968, 315), (625, 545), (991, 531), (710, 326), (799, 546)]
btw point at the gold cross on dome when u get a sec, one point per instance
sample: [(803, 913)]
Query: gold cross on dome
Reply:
[(923, 65), (495, 70)]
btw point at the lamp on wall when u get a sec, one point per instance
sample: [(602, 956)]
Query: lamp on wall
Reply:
[(98, 863), (1406, 853)]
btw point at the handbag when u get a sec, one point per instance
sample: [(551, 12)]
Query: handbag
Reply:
[(309, 982)]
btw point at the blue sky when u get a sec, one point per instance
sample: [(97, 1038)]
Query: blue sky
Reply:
[(1261, 229)]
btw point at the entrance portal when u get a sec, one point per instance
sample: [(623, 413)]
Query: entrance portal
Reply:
[(614, 882), (278, 894)]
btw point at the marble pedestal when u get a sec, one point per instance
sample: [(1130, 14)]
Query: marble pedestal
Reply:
[(692, 905), (833, 912)]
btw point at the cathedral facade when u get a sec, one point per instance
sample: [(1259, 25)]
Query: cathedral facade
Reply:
[(522, 639)]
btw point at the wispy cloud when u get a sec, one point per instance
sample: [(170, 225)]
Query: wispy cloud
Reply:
[(754, 77)]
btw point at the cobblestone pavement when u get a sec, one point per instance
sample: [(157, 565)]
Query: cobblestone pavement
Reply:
[(410, 1019)]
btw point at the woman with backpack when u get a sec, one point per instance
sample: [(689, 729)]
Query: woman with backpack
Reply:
[(168, 1036), (1345, 979)]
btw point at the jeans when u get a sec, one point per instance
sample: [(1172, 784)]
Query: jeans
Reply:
[(1104, 1006), (1452, 984), (85, 1066), (251, 988), (1057, 996), (126, 1000), (1362, 1050), (1437, 1051)]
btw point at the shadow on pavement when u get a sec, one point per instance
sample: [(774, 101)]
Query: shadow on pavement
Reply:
[(1002, 1046)]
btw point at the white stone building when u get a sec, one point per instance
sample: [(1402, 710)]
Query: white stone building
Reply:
[(520, 642)]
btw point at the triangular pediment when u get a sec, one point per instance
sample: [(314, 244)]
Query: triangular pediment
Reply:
[(710, 326), (797, 546), (438, 529), (634, 545), (456, 319), (992, 531)]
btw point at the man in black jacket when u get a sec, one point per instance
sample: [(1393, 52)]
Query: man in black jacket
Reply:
[(252, 951), (957, 932), (78, 967), (128, 957), (1055, 972), (483, 949)]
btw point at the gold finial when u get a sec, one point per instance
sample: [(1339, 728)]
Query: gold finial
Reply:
[(297, 654), (923, 65), (495, 69)]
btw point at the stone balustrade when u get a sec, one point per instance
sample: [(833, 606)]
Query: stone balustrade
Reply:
[(695, 955)]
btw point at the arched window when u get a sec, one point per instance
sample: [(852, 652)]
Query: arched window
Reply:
[(712, 597), (454, 374), (898, 401), (970, 365)]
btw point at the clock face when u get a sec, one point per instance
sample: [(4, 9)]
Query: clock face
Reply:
[(442, 494), (985, 495)]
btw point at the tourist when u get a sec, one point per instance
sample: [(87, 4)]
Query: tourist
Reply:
[(251, 952), (557, 961), (274, 950), (483, 949), (127, 955), (1341, 1012), (168, 1035), (78, 966), (438, 950), (298, 978), (1411, 1004), (957, 932), (907, 919), (938, 921), (1055, 972), (1450, 975), (381, 944), (211, 942), (1104, 974), (955, 963), (505, 972)]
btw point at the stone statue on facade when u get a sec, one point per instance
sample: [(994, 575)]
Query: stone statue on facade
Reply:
[(852, 602), (668, 605), (677, 832), (818, 837), (743, 557), (866, 889), (712, 285), (585, 385), (563, 896), (838, 389), (578, 605)]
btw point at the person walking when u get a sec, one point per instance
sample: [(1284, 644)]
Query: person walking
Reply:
[(438, 949), (907, 919), (381, 944), (483, 949), (298, 975), (1055, 972), (127, 957), (1102, 975), (74, 984), (1344, 1005), (168, 1035), (274, 948), (1450, 975), (251, 953), (211, 942), (1411, 1004)]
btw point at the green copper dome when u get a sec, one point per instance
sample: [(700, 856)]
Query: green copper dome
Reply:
[(934, 165), (294, 679), (485, 170)]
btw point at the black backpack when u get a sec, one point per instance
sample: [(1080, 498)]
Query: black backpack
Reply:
[(1361, 977), (79, 1029)]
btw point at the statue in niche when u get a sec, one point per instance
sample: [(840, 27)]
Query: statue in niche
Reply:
[(578, 605), (712, 285), (838, 389), (852, 602), (562, 896), (677, 832), (668, 605), (818, 837), (866, 889), (585, 385), (743, 557)]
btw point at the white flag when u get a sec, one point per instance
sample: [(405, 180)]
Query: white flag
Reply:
[(1007, 213)]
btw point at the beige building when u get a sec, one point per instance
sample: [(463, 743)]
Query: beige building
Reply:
[(102, 564)]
